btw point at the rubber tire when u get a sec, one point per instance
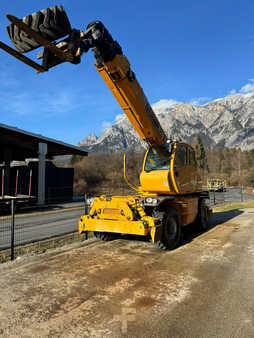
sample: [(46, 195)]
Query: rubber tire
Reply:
[(201, 220), (169, 219), (105, 236), (51, 23)]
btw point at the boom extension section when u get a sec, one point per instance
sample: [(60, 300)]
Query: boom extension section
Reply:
[(115, 70)]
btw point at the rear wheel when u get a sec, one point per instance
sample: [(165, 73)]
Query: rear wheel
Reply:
[(171, 229), (201, 220), (51, 23)]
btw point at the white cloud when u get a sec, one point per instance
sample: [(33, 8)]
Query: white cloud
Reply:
[(163, 104), (105, 125), (248, 88), (199, 101), (119, 117), (232, 92), (108, 124)]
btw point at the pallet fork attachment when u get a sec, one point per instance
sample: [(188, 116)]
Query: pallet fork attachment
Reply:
[(52, 54), (22, 58)]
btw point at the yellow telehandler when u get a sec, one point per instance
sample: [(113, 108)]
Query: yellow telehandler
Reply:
[(170, 194)]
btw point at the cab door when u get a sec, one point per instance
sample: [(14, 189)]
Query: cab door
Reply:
[(193, 171), (181, 169)]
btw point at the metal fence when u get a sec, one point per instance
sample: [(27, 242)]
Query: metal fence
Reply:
[(228, 196), (19, 228)]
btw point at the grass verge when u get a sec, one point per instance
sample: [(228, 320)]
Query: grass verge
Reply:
[(40, 247), (234, 206)]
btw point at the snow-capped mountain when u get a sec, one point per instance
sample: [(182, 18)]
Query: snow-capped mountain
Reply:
[(227, 122)]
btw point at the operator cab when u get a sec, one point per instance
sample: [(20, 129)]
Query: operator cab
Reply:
[(170, 169)]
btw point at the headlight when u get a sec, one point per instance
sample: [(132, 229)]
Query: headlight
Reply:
[(89, 201), (151, 201)]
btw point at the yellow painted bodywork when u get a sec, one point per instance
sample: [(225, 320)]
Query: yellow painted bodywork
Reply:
[(173, 181), (156, 181), (115, 214), (116, 226), (126, 215)]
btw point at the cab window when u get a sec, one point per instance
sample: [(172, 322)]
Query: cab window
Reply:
[(181, 157), (156, 161)]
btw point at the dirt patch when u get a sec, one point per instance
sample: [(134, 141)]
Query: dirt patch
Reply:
[(38, 268), (144, 302), (87, 290)]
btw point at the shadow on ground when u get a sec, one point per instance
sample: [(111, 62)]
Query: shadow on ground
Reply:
[(191, 232)]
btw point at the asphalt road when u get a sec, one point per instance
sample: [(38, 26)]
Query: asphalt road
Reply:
[(29, 228), (127, 288)]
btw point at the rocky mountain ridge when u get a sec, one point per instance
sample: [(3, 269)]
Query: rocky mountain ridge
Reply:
[(226, 122)]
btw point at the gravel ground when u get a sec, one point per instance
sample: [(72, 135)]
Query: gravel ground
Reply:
[(127, 288)]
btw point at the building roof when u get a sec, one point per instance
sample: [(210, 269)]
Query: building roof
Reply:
[(23, 144)]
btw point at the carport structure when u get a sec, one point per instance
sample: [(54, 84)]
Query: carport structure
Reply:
[(18, 145)]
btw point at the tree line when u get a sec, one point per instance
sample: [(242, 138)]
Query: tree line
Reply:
[(101, 173)]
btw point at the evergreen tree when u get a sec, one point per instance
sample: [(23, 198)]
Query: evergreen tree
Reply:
[(201, 157)]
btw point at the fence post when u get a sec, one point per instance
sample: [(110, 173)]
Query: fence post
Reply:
[(2, 184), (86, 205), (30, 183), (241, 193), (86, 212), (17, 183), (12, 228)]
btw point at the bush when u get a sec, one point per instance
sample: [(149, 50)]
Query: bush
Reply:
[(103, 173)]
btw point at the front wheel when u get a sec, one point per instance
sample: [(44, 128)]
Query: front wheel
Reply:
[(171, 229)]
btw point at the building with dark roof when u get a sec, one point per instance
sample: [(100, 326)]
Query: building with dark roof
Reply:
[(18, 145)]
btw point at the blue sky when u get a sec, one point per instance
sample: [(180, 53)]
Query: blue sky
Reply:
[(188, 51)]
